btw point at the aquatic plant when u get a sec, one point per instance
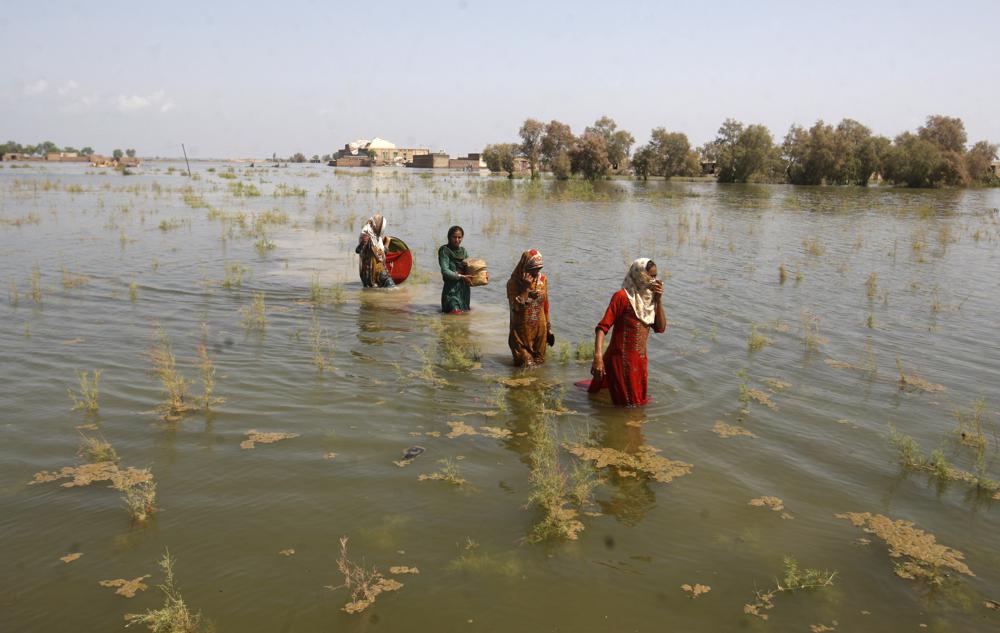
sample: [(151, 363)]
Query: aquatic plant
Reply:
[(782, 275), (255, 437), (12, 296), (871, 285), (170, 225), (915, 382), (565, 352), (814, 246), (924, 558), (757, 340), (551, 489), (365, 585), (207, 377), (177, 399), (725, 431), (457, 353), (86, 399), (585, 350), (810, 330), (911, 458), (645, 461), (140, 499), (449, 472), (321, 345), (133, 291), (972, 425), (262, 245), (96, 450), (255, 314), (36, 284), (235, 272), (319, 295), (174, 616), (795, 579)]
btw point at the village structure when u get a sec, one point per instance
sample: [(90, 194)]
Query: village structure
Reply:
[(96, 160), (378, 152)]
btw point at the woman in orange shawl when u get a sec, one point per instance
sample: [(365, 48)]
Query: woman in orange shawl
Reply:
[(528, 295)]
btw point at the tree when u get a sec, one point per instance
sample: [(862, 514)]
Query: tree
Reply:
[(87, 151), (590, 156), (669, 152), (531, 143), (558, 139), (561, 166), (46, 147), (913, 161), (618, 142), (298, 157), (742, 152), (810, 157), (117, 154), (315, 158), (500, 157), (130, 153), (979, 162), (642, 162), (948, 133)]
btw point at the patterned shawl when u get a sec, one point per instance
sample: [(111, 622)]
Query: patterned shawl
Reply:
[(638, 286)]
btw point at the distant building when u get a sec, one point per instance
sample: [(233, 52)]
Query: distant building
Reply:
[(353, 161), (437, 160), (66, 157), (20, 156), (381, 151), (708, 167), (996, 168), (472, 162)]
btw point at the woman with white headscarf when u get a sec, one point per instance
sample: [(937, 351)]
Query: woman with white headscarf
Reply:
[(371, 247), (633, 310)]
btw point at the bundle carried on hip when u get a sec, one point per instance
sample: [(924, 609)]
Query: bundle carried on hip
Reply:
[(476, 269)]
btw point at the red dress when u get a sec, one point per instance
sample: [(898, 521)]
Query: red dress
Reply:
[(625, 370)]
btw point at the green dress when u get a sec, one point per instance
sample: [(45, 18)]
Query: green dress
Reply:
[(456, 293)]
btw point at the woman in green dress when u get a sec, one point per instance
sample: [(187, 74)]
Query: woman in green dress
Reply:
[(455, 295)]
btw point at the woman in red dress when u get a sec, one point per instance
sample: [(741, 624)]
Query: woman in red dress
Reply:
[(633, 310)]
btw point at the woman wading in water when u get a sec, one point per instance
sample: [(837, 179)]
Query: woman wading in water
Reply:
[(456, 294), (633, 310), (528, 295), (371, 247)]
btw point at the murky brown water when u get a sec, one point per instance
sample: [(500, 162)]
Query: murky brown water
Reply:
[(225, 513)]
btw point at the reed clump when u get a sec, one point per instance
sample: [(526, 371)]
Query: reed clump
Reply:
[(449, 472), (12, 295), (36, 284), (811, 337), (177, 399), (235, 272), (174, 616), (96, 450), (757, 340), (139, 499), (795, 579), (584, 350), (73, 280), (871, 285), (255, 314), (207, 366), (86, 399), (364, 584), (553, 489)]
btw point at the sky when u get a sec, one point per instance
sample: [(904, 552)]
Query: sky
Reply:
[(246, 79)]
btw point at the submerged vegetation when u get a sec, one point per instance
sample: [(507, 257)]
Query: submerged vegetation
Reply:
[(174, 616), (86, 399), (364, 584), (795, 579)]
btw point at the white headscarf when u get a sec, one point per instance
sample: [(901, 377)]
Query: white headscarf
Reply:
[(638, 285), (375, 229)]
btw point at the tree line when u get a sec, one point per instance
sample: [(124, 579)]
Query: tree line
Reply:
[(48, 147), (936, 155)]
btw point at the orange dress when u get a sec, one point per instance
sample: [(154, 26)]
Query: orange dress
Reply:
[(529, 321), (625, 364)]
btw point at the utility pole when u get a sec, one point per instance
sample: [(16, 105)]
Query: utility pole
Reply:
[(186, 159)]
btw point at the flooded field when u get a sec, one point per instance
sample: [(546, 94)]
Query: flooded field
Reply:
[(191, 365)]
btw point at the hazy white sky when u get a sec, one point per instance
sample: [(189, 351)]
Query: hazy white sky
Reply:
[(248, 78)]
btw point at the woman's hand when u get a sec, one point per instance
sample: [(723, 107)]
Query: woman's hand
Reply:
[(597, 368), (527, 280), (657, 288), (467, 279)]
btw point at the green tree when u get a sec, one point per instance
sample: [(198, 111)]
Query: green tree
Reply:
[(948, 133), (500, 157), (561, 166), (558, 139), (742, 151), (87, 151), (913, 161), (979, 162), (117, 154), (298, 157), (810, 157), (618, 142), (531, 143), (590, 156), (46, 147), (670, 152), (642, 162), (130, 153)]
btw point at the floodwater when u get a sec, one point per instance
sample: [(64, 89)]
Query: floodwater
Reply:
[(363, 374)]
